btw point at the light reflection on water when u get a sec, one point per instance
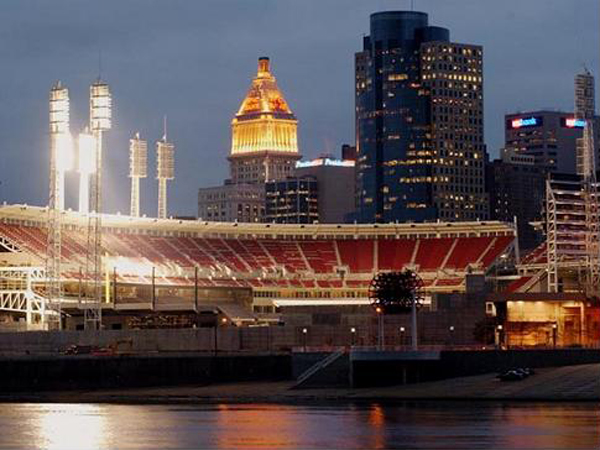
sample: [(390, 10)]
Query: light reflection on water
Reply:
[(464, 426)]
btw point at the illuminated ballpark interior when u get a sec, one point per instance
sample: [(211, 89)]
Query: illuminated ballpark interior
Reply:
[(244, 270)]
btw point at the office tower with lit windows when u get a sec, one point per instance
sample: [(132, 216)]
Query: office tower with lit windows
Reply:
[(550, 137), (419, 123), (517, 187), (293, 200)]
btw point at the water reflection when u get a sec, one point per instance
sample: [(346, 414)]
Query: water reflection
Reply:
[(408, 426), (70, 426)]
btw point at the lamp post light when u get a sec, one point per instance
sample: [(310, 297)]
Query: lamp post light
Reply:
[(451, 329), (402, 331), (380, 328), (353, 334), (554, 334), (304, 333), (499, 337)]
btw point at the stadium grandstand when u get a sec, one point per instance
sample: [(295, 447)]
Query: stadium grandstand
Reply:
[(242, 270)]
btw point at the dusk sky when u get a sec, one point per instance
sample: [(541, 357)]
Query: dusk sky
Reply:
[(193, 61)]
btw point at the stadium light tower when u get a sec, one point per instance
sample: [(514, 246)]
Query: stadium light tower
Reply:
[(60, 155), (100, 121), (165, 170), (87, 167), (138, 168)]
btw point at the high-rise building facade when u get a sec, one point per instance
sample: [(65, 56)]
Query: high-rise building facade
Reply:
[(554, 138), (550, 137), (336, 180), (293, 200), (232, 202), (516, 185), (419, 123)]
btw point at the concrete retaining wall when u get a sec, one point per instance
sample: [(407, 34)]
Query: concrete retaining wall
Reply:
[(374, 372), (87, 372)]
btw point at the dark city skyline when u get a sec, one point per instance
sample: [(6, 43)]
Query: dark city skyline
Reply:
[(192, 61)]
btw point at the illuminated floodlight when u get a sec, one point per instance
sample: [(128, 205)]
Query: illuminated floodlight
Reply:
[(87, 154), (65, 158), (165, 170), (138, 157), (100, 106), (138, 168), (86, 167), (59, 109), (165, 159)]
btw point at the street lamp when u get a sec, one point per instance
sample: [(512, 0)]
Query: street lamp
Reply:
[(499, 329), (554, 334), (402, 330), (353, 333), (451, 329), (304, 333), (380, 329)]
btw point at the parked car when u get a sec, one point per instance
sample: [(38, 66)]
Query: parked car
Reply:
[(517, 374)]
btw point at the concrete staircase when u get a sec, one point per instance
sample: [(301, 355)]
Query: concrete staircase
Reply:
[(333, 370)]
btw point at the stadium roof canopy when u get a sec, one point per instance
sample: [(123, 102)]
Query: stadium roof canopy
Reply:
[(37, 216)]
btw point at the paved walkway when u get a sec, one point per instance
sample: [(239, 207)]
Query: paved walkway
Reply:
[(562, 383)]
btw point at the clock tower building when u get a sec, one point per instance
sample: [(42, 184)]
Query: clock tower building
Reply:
[(264, 133)]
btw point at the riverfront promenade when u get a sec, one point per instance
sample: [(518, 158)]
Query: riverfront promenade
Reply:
[(570, 383)]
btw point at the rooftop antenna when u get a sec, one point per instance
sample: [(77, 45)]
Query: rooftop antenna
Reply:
[(165, 128), (99, 64)]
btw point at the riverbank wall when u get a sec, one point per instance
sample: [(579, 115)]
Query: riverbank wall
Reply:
[(388, 368), (39, 373)]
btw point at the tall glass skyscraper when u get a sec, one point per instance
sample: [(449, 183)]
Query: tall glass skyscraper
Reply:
[(419, 123)]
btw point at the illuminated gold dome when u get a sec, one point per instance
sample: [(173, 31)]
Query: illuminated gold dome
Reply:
[(264, 122)]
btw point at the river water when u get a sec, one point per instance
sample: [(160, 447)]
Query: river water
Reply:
[(414, 426)]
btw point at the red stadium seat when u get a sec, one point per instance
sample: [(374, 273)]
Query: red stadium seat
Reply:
[(432, 253), (357, 254), (394, 254), (231, 262)]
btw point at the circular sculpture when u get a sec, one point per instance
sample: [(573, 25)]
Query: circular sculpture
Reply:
[(395, 292)]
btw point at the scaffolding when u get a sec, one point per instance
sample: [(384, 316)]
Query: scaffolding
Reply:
[(566, 226), (585, 111), (572, 204), (17, 295)]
